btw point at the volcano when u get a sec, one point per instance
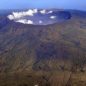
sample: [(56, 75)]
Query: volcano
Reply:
[(41, 47), (39, 17)]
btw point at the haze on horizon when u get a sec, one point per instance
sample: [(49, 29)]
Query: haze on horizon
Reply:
[(62, 4)]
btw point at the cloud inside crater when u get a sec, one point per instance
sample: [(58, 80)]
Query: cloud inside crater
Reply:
[(17, 15)]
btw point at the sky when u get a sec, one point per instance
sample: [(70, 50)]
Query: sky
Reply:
[(62, 4)]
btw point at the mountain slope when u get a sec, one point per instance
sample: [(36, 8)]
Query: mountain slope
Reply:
[(43, 51)]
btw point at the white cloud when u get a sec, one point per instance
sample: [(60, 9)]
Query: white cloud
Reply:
[(42, 11), (29, 22), (28, 13), (21, 17), (50, 11), (17, 15), (24, 21), (35, 10), (52, 17), (11, 17)]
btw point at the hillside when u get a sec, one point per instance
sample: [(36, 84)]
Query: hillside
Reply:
[(46, 55)]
